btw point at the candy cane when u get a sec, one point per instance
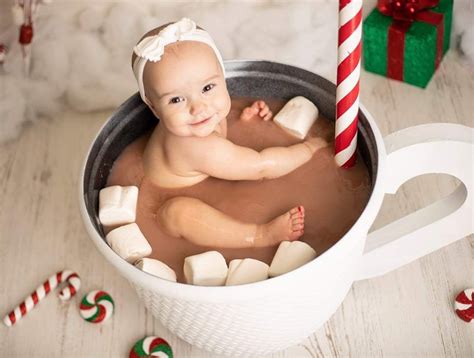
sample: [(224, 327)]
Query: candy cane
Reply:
[(74, 283), (348, 74)]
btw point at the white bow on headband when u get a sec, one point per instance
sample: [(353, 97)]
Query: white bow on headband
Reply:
[(151, 48)]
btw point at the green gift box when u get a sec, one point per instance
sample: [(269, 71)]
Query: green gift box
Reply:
[(408, 50)]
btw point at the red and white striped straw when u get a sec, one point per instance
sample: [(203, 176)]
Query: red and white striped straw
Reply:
[(348, 74), (74, 283)]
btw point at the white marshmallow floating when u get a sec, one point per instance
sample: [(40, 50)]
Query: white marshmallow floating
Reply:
[(156, 268), (206, 269), (289, 256), (128, 242), (297, 116), (118, 205), (246, 271)]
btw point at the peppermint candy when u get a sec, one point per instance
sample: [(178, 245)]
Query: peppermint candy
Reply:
[(464, 305), (97, 306), (151, 347)]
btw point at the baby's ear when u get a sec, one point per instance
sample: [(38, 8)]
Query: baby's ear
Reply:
[(153, 110)]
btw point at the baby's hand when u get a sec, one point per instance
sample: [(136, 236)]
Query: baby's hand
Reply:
[(316, 143), (259, 108)]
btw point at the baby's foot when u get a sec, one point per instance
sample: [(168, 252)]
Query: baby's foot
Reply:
[(286, 227), (259, 108)]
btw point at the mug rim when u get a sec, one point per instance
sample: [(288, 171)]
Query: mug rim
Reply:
[(150, 281)]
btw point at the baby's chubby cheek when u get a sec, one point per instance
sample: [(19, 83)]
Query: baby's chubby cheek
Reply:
[(224, 105)]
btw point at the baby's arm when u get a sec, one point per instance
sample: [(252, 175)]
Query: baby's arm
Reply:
[(220, 158)]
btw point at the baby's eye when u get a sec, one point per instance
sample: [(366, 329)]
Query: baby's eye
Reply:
[(208, 87), (176, 99)]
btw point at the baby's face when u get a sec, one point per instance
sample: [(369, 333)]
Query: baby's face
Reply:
[(187, 89)]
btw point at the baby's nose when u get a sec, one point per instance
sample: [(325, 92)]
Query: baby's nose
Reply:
[(198, 107)]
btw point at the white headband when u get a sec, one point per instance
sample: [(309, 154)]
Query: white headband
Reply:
[(151, 48)]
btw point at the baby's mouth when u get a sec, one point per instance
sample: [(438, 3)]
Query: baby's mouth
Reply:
[(202, 121)]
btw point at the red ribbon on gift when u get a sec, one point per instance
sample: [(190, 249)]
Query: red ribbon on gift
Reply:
[(404, 13), (405, 10)]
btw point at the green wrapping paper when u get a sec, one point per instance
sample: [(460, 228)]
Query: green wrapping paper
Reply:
[(418, 57)]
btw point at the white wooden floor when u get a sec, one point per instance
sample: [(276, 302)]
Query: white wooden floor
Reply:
[(405, 313)]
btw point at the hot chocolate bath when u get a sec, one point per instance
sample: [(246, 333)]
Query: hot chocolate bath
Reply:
[(253, 319), (332, 198)]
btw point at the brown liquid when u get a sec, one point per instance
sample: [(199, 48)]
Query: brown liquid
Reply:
[(333, 197)]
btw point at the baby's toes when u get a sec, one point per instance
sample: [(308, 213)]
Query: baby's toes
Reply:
[(297, 212), (248, 113), (264, 111), (297, 224), (294, 211), (255, 107), (268, 116), (259, 104), (297, 227), (297, 221)]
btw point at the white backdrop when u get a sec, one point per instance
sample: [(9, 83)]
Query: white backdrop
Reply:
[(81, 49)]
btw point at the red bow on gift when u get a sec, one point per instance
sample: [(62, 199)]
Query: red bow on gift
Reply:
[(404, 10)]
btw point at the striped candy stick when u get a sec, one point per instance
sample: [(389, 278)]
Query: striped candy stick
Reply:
[(348, 74), (74, 283)]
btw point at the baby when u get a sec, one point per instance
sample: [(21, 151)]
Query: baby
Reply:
[(180, 76)]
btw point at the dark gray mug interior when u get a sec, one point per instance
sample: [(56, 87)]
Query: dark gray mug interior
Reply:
[(260, 79)]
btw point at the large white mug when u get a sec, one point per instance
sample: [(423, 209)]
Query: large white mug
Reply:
[(263, 317)]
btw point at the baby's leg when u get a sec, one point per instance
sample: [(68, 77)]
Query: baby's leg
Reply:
[(203, 225)]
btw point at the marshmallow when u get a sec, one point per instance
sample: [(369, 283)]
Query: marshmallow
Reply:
[(156, 268), (246, 271), (118, 205), (128, 242), (297, 116), (290, 256), (206, 269)]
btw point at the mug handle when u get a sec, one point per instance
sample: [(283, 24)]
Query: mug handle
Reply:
[(430, 148)]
